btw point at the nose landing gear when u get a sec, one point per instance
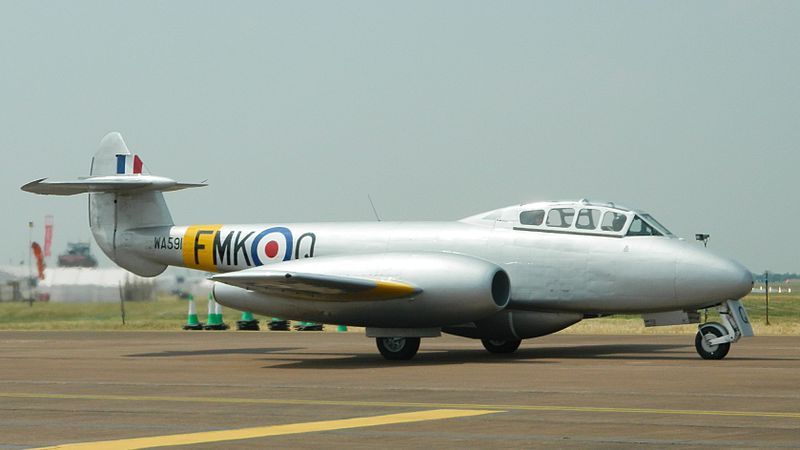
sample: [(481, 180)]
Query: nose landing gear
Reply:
[(709, 332), (713, 340)]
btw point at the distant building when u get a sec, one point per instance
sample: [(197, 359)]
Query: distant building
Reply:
[(77, 255), (10, 285), (79, 284)]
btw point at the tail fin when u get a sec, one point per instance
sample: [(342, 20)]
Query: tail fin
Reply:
[(121, 199), (114, 158)]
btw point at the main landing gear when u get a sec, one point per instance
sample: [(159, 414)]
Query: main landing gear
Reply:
[(713, 340), (500, 345), (398, 348), (404, 348)]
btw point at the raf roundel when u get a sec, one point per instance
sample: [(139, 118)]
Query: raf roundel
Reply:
[(272, 245), (271, 249)]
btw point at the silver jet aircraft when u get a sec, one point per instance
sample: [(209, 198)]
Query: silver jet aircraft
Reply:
[(501, 276)]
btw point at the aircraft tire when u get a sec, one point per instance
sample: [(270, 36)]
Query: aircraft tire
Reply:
[(500, 345), (398, 348), (707, 351)]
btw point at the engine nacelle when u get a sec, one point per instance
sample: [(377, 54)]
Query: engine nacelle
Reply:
[(513, 325), (454, 289)]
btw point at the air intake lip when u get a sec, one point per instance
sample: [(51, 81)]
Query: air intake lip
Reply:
[(501, 289)]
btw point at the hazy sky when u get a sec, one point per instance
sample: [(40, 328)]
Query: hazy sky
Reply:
[(295, 111)]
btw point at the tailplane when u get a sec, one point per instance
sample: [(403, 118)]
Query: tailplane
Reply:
[(121, 199)]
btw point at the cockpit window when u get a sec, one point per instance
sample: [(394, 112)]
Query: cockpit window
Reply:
[(535, 217), (657, 225), (613, 221), (641, 228), (560, 217), (587, 219)]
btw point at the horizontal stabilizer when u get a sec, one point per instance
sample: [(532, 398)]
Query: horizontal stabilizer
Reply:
[(121, 183), (317, 286)]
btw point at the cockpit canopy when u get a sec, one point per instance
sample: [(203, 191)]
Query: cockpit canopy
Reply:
[(581, 217)]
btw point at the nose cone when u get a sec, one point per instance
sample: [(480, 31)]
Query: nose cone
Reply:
[(703, 278), (736, 278)]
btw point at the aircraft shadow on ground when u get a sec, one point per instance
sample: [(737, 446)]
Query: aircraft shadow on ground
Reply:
[(539, 355), (215, 352), (301, 358)]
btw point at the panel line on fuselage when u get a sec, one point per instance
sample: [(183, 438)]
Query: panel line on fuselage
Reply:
[(579, 233)]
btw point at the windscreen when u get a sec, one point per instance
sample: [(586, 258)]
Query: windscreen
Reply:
[(645, 225), (652, 221)]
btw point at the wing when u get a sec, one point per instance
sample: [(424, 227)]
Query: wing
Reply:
[(315, 286)]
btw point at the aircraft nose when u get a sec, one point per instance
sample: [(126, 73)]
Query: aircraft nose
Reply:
[(705, 277), (737, 278)]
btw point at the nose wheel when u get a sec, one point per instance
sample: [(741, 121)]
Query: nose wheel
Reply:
[(713, 340), (706, 334)]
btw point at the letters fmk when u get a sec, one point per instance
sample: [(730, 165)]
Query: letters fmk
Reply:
[(233, 247)]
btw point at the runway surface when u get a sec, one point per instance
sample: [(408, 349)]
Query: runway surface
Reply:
[(333, 390)]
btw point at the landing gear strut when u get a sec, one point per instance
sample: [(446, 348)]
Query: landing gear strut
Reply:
[(713, 340), (398, 348)]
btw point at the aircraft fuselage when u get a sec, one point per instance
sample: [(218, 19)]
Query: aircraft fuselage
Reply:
[(558, 272)]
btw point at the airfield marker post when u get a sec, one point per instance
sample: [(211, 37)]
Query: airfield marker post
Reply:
[(122, 308), (30, 266), (122, 302), (766, 295)]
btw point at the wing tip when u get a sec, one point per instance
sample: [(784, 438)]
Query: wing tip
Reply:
[(32, 186)]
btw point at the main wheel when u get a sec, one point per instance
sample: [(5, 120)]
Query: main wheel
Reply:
[(501, 345), (706, 350), (398, 348)]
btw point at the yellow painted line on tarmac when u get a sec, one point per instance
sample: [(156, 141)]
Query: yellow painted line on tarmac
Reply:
[(271, 401), (273, 430)]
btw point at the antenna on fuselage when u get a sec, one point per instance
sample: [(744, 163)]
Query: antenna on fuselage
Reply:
[(377, 217)]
